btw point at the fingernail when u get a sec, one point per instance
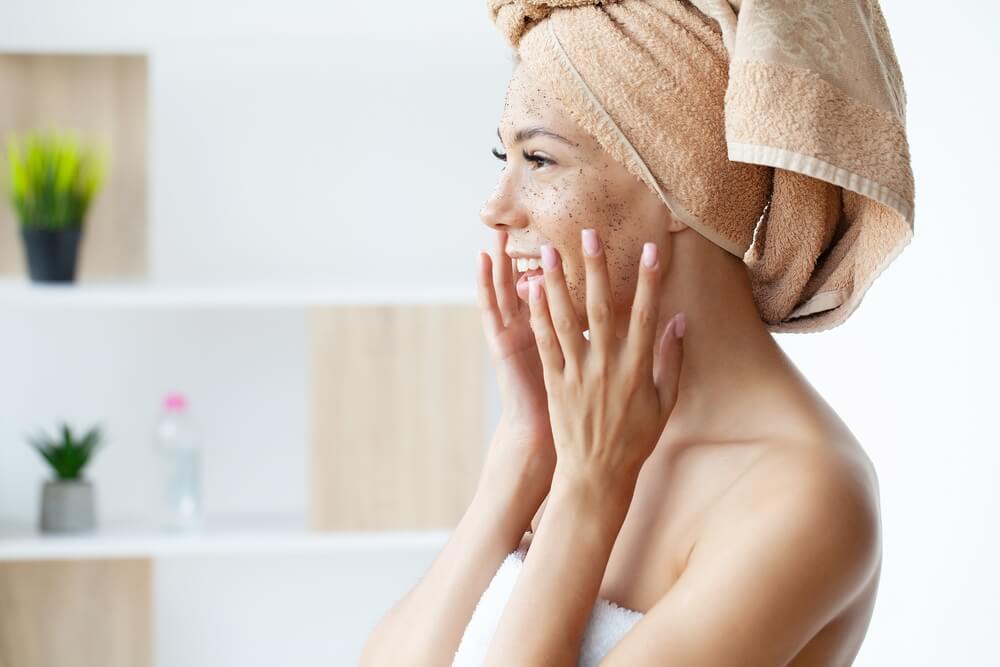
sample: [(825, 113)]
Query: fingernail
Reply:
[(649, 254), (534, 287), (681, 321), (591, 244), (548, 257)]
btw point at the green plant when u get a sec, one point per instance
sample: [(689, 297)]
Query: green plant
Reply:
[(67, 454), (52, 180)]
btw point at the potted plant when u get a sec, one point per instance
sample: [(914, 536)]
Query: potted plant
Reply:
[(67, 500), (52, 183)]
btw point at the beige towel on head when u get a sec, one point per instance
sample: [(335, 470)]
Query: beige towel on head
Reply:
[(774, 128)]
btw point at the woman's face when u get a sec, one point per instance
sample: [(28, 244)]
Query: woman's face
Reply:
[(556, 181)]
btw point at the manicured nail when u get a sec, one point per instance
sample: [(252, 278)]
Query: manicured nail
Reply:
[(591, 244), (680, 322), (548, 257), (649, 254)]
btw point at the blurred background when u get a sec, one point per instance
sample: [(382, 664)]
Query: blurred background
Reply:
[(245, 425)]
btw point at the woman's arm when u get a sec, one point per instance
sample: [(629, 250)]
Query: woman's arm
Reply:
[(546, 616), (426, 625)]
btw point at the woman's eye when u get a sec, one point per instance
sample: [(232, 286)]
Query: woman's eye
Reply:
[(537, 159)]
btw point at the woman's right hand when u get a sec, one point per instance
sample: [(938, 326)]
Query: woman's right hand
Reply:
[(524, 432)]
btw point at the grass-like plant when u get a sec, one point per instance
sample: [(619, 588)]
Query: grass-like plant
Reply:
[(67, 454), (52, 180)]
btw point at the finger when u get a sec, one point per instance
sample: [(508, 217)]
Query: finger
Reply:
[(600, 310), (546, 339), (670, 353), (560, 306), (503, 277), (490, 313), (645, 309)]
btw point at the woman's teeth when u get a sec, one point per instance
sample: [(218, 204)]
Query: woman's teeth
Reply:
[(527, 264)]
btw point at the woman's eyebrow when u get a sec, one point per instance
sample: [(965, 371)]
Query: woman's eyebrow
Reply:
[(526, 133)]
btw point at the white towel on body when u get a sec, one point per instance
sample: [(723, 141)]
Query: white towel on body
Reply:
[(608, 622)]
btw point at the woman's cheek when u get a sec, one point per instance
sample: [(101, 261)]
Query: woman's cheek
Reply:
[(577, 285), (622, 276)]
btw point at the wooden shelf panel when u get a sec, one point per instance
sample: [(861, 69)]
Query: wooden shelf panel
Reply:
[(86, 612)]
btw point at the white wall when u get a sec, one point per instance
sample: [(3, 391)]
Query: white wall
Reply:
[(327, 150), (324, 130), (914, 373)]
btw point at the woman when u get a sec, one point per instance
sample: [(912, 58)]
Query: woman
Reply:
[(698, 480)]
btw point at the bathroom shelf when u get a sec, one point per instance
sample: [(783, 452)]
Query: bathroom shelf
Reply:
[(21, 292), (230, 536)]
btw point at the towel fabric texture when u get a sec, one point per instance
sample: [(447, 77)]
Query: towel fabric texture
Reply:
[(606, 626), (774, 128)]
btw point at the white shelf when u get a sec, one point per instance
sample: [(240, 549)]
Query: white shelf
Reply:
[(246, 536), (20, 292)]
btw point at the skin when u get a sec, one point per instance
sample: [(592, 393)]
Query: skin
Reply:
[(747, 429), (723, 498)]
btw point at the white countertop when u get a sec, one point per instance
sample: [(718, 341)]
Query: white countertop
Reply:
[(134, 539), (21, 292)]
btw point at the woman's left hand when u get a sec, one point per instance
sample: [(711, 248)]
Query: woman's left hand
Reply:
[(608, 401)]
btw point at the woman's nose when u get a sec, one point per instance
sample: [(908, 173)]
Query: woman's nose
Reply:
[(502, 211)]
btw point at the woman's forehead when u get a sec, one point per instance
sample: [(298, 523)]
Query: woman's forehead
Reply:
[(527, 102)]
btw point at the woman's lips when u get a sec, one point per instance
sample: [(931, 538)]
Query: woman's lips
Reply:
[(522, 283)]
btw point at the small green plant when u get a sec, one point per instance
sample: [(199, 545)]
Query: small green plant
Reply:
[(52, 180), (67, 454)]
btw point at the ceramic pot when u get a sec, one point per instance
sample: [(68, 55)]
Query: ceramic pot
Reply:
[(67, 506), (52, 253)]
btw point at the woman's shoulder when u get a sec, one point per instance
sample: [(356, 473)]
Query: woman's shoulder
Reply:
[(826, 489), (816, 455), (812, 465), (827, 467), (796, 535)]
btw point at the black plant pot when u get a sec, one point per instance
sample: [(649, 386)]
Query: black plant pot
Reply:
[(52, 253)]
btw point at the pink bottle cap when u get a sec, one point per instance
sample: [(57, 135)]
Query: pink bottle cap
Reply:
[(175, 401)]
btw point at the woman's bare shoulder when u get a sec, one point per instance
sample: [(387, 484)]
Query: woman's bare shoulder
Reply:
[(829, 487), (817, 449), (820, 462), (796, 536)]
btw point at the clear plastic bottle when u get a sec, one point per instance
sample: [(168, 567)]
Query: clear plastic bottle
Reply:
[(178, 445)]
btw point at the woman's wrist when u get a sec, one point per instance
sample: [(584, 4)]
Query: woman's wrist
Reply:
[(507, 502), (521, 451), (612, 491), (517, 474)]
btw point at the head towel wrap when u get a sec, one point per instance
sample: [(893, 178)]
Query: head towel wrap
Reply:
[(775, 129)]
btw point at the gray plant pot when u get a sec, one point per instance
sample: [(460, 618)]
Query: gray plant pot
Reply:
[(67, 506)]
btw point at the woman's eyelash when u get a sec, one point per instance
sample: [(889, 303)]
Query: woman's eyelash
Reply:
[(537, 159)]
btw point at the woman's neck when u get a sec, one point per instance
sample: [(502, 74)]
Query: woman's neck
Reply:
[(733, 368)]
